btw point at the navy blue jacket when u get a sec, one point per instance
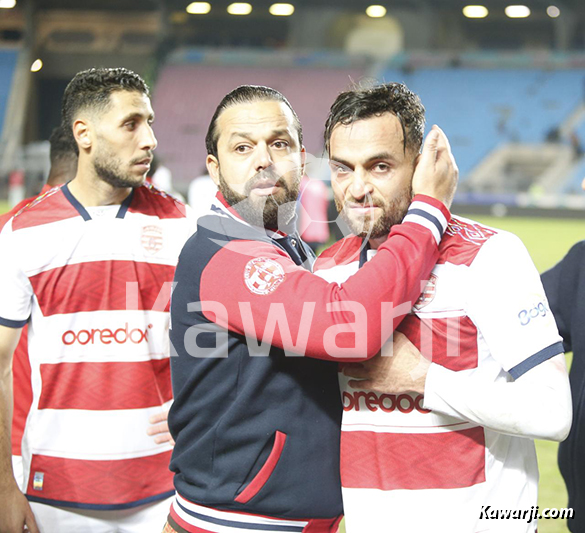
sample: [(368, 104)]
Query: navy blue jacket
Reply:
[(565, 289), (257, 428)]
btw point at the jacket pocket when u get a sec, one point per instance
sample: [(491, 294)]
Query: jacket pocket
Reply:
[(265, 472)]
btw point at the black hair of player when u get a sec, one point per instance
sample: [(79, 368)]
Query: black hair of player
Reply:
[(366, 102), (61, 149), (246, 94), (91, 89)]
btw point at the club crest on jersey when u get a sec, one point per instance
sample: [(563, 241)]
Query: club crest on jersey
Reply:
[(262, 275), (152, 239), (428, 293), (472, 233)]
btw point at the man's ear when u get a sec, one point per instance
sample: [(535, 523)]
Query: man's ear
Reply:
[(82, 134), (212, 165)]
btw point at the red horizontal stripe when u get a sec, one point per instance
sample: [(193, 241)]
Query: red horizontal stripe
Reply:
[(391, 461), (450, 342), (101, 285), (101, 482), (22, 390), (105, 386)]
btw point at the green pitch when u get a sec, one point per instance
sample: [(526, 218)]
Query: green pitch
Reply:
[(547, 240)]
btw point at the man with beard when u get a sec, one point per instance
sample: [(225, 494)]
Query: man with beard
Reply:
[(89, 267), (257, 424), (445, 445)]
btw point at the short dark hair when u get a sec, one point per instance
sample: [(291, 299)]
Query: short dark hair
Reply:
[(245, 94), (61, 148), (92, 89), (361, 103)]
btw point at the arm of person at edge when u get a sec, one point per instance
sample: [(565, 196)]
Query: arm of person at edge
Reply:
[(15, 513), (334, 322), (541, 396)]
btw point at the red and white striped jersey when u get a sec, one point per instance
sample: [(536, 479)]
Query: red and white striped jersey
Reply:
[(483, 312), (94, 286)]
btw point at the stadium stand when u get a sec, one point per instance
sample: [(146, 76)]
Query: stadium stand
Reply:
[(8, 59), (482, 109), (186, 96)]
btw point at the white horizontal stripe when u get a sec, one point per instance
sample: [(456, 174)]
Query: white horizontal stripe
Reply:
[(237, 517), (407, 429), (432, 210), (74, 241), (46, 340), (97, 435), (417, 219), (215, 528)]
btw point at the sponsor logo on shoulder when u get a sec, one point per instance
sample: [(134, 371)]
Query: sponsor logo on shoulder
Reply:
[(263, 275), (540, 310)]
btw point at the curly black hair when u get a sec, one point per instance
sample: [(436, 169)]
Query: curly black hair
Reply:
[(361, 103), (92, 89)]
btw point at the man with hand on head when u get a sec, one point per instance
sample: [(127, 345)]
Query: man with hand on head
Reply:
[(439, 444), (89, 267), (257, 424)]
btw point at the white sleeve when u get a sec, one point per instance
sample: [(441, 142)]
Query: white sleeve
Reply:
[(537, 405), (507, 304), (15, 288)]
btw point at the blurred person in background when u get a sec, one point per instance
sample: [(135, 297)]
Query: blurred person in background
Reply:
[(428, 445), (161, 177), (89, 267), (565, 289), (202, 192), (313, 220)]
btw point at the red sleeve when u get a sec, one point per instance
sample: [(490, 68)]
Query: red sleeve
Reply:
[(268, 297)]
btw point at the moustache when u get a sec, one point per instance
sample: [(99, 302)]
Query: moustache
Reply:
[(268, 175)]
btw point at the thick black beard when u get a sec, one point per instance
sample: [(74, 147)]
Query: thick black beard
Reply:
[(268, 212), (108, 173), (394, 212)]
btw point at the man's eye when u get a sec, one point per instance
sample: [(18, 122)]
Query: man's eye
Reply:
[(242, 148), (280, 144), (130, 124), (381, 167), (337, 169)]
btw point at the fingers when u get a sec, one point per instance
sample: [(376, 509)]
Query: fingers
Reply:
[(366, 384), (30, 522), (164, 438), (157, 429), (159, 417), (430, 146), (356, 372)]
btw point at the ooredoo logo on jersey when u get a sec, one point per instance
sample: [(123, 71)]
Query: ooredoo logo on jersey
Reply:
[(106, 336)]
